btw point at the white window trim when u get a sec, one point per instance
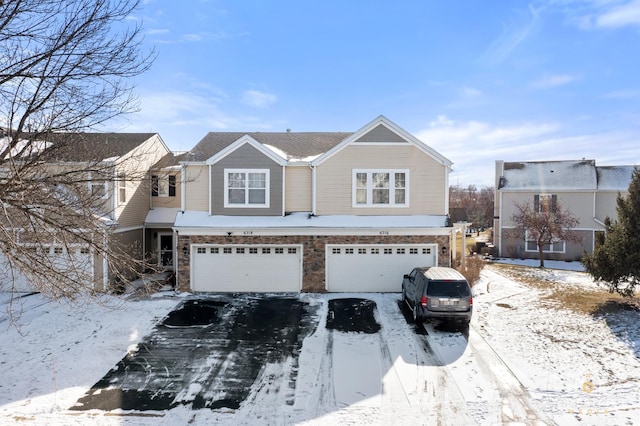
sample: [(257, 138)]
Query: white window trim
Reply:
[(98, 183), (392, 198), (246, 205), (527, 240), (122, 186), (163, 181)]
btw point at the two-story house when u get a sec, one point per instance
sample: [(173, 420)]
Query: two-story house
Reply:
[(587, 191), (116, 166), (292, 211)]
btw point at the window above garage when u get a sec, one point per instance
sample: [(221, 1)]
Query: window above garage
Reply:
[(380, 188), (246, 188)]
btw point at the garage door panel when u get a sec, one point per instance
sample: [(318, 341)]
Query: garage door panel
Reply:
[(247, 269), (375, 268)]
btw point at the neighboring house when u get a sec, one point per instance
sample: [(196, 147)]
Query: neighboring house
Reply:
[(289, 212), (165, 202), (588, 191), (123, 159)]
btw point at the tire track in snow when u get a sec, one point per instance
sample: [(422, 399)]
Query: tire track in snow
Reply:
[(483, 378), (432, 395)]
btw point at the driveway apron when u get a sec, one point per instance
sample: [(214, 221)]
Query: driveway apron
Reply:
[(205, 354)]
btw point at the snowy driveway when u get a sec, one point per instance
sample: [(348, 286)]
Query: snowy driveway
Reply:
[(311, 356), (354, 360)]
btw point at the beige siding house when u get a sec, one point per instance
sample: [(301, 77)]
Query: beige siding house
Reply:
[(309, 211), (588, 191), (123, 160)]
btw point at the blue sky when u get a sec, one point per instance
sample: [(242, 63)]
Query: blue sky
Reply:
[(478, 81)]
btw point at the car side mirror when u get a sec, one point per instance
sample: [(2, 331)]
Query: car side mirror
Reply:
[(406, 276)]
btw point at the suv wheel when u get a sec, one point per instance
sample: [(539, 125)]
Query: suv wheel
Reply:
[(416, 317)]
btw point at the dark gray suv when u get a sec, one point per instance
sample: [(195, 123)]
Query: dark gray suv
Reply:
[(438, 292)]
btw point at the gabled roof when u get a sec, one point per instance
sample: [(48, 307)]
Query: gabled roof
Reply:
[(564, 175), (94, 146), (294, 145), (370, 133), (549, 175), (247, 140), (614, 178)]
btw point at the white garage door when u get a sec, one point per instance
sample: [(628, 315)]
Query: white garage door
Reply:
[(374, 268), (247, 268), (75, 264)]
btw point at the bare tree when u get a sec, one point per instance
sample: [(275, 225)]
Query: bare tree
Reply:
[(66, 68), (544, 223), (476, 203)]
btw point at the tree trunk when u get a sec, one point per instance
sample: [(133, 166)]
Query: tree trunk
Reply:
[(541, 254)]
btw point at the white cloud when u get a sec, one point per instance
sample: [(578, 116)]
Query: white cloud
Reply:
[(512, 36), (553, 80), (595, 14), (155, 31), (470, 92), (474, 146), (620, 16), (258, 99)]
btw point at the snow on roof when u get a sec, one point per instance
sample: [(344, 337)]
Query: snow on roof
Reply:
[(196, 219), (550, 175), (615, 178), (161, 216), (29, 147)]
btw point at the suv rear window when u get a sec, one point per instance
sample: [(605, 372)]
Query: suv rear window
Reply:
[(448, 289)]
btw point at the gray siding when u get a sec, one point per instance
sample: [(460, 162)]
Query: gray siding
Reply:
[(247, 157), (380, 134)]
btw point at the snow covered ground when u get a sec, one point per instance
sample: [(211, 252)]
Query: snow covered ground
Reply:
[(523, 362)]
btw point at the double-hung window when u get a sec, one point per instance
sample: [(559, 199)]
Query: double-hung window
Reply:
[(553, 247), (380, 188), (122, 188), (97, 188), (163, 186), (545, 203), (246, 188)]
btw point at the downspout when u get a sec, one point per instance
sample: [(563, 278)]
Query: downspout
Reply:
[(500, 224), (183, 187), (105, 264), (284, 190), (175, 258), (313, 189), (209, 189)]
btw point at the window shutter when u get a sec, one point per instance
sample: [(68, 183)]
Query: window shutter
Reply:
[(554, 203), (154, 186), (172, 186), (536, 203)]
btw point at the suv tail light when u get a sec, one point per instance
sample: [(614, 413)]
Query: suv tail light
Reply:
[(424, 300), (471, 301)]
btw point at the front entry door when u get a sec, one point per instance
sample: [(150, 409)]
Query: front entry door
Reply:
[(165, 251)]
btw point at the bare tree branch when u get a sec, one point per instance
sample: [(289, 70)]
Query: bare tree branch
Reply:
[(545, 225), (65, 68)]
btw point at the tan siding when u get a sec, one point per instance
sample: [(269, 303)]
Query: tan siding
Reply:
[(135, 167), (197, 188), (606, 205), (427, 180), (298, 189), (580, 204), (171, 202)]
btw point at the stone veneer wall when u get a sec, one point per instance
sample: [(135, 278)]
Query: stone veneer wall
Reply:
[(313, 258)]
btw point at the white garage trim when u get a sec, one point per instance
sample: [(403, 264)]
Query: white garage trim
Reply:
[(374, 267), (76, 262), (246, 267)]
